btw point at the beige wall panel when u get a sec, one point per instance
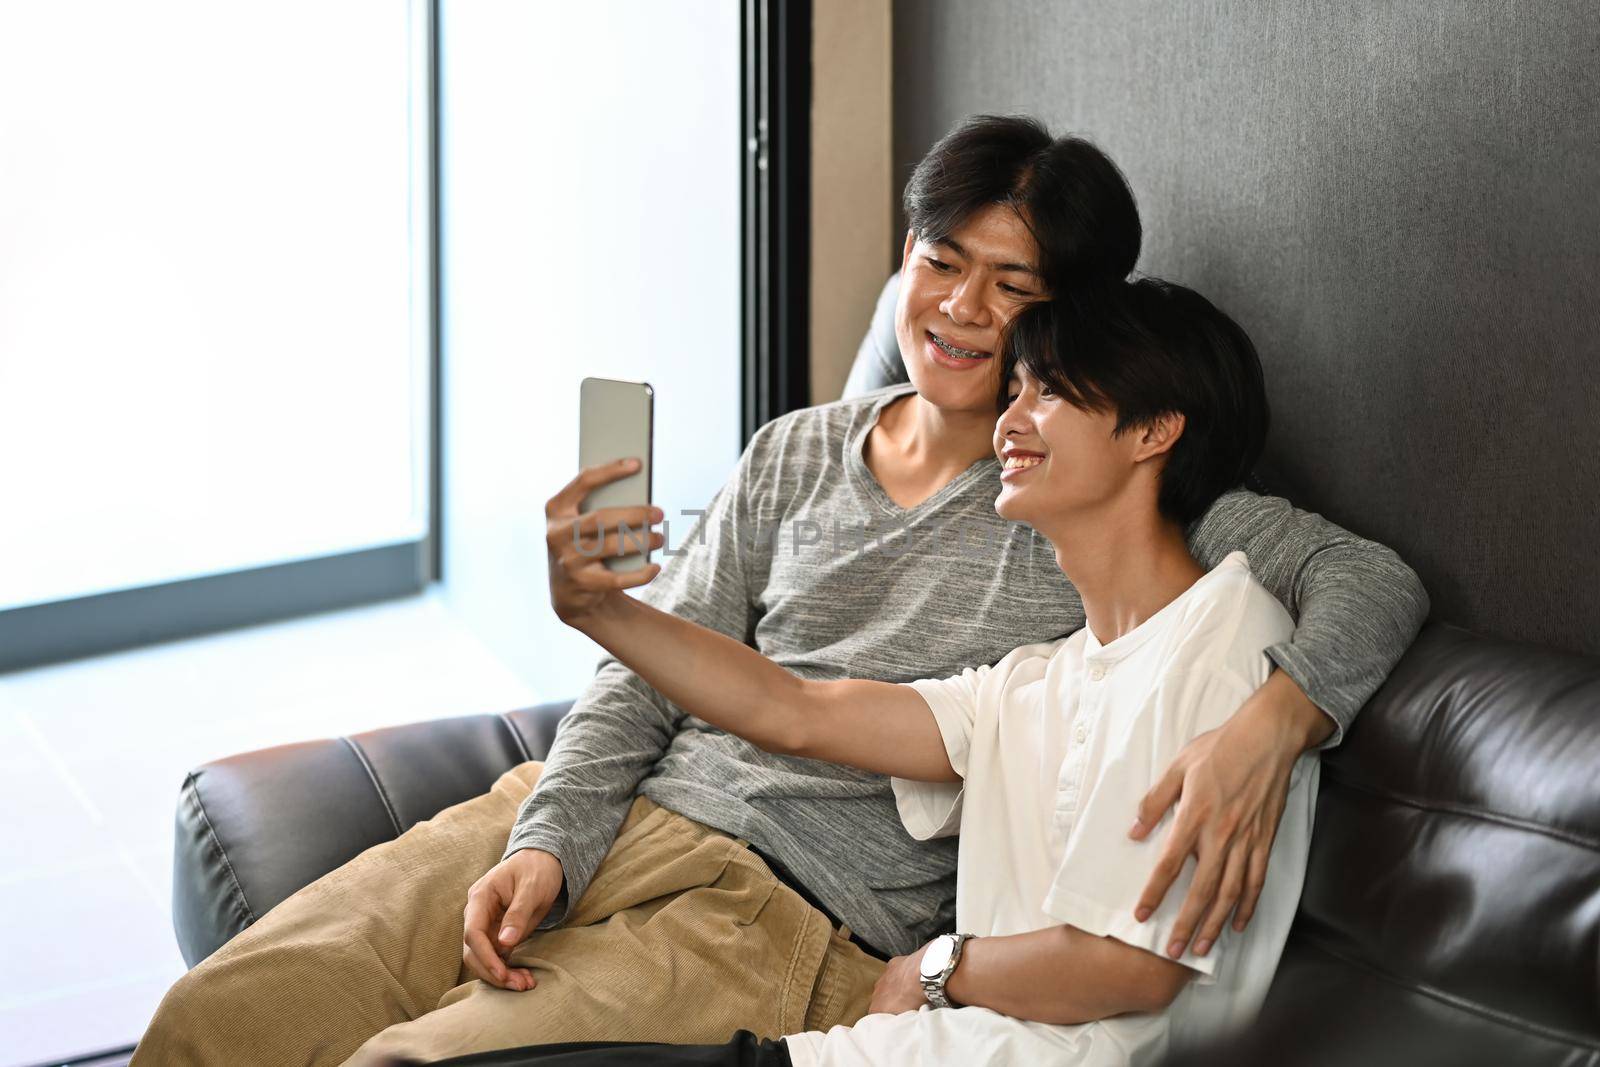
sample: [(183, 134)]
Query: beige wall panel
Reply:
[(852, 194)]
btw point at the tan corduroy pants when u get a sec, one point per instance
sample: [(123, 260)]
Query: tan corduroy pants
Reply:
[(684, 936)]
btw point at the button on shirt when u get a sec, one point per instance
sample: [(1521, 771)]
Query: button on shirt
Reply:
[(1056, 745)]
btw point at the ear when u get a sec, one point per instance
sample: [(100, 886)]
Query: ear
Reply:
[(1157, 438), (905, 254)]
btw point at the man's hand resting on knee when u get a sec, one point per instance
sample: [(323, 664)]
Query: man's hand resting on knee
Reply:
[(503, 907)]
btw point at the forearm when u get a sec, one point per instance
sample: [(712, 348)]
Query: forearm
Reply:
[(615, 733), (736, 688), (708, 674), (1064, 976)]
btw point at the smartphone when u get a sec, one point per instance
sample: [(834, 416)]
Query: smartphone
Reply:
[(615, 422)]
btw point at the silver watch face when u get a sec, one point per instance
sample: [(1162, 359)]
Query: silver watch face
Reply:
[(936, 956)]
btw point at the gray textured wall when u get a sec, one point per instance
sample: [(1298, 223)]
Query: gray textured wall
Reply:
[(1398, 202)]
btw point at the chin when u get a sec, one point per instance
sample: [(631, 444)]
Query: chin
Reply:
[(1007, 506), (953, 390)]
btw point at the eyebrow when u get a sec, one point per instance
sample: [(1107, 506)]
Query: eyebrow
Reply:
[(1020, 268)]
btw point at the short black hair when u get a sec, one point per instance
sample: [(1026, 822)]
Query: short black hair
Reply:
[(1144, 348), (1069, 194)]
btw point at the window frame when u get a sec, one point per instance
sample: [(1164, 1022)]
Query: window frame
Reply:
[(775, 160), (776, 205), (73, 628)]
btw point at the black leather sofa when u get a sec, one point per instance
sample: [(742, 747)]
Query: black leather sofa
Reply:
[(1451, 911)]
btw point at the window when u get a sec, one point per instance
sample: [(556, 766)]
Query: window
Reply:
[(590, 169), (214, 302)]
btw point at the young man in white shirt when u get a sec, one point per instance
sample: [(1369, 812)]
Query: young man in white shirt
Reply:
[(1129, 410)]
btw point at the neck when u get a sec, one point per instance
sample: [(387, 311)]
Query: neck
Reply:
[(1126, 560), (934, 438)]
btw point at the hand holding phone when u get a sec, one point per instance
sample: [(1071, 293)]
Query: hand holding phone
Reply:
[(599, 527), (580, 542)]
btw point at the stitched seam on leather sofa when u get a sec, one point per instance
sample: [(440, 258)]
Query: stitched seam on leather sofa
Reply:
[(516, 736), (372, 776), (193, 787), (1465, 810), (1460, 1003)]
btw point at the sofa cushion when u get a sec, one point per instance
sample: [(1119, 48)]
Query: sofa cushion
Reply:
[(254, 828), (1451, 909)]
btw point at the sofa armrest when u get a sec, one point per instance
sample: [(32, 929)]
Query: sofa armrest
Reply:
[(254, 828)]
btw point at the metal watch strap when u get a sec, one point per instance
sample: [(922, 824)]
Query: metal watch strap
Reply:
[(933, 988)]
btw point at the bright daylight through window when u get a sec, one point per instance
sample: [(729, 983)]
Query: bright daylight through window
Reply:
[(213, 348)]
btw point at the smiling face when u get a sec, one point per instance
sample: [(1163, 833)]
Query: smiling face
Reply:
[(956, 295), (1055, 457), (1059, 460)]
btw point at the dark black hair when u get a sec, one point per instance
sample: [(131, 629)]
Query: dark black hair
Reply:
[(1071, 197), (1142, 349)]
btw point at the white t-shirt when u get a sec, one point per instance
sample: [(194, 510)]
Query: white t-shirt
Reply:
[(1056, 744)]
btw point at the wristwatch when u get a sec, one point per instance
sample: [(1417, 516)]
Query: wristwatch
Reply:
[(938, 963)]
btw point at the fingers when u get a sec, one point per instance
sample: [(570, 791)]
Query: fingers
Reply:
[(1227, 896), (1255, 877), (581, 586), (520, 915), (1202, 893), (642, 576), (575, 553), (1266, 833), (478, 953), (482, 960), (569, 499), (1256, 871), (477, 949), (1179, 844), (634, 518), (479, 912), (1157, 802)]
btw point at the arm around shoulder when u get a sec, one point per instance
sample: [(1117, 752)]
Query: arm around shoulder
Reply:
[(1357, 605)]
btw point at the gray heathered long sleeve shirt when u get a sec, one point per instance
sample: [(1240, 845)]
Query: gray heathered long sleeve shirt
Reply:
[(857, 587)]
